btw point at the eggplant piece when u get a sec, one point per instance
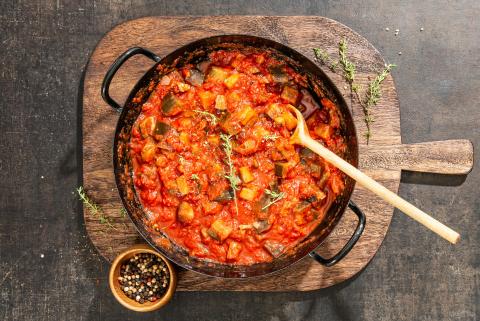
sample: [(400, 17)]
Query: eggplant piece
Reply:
[(274, 186), (161, 128), (171, 105), (261, 226), (195, 78), (290, 94), (315, 169), (278, 73), (147, 126), (274, 111), (226, 196), (306, 153), (281, 169), (218, 74), (203, 66), (323, 180), (274, 248), (262, 202), (302, 206), (311, 199)]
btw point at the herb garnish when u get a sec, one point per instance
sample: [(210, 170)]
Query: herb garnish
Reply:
[(373, 93), (373, 96), (95, 209), (274, 197), (123, 212), (231, 176), (195, 177), (324, 58), (211, 117), (347, 66)]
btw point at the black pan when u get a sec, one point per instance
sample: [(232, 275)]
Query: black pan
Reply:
[(320, 85)]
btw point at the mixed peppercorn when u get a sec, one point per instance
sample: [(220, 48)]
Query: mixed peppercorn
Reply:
[(144, 277)]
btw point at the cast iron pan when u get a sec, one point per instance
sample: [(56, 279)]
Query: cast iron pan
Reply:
[(320, 86)]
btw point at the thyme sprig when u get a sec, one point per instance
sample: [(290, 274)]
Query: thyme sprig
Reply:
[(347, 66), (211, 117), (274, 197), (373, 93), (325, 58), (94, 208), (231, 176)]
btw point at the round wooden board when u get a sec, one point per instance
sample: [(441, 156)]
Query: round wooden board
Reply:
[(383, 158)]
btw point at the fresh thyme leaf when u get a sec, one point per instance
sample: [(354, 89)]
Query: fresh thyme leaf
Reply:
[(372, 97), (271, 137), (347, 66), (195, 177), (95, 209), (274, 197), (374, 92), (355, 87), (325, 58), (211, 117), (231, 176), (321, 55), (123, 212)]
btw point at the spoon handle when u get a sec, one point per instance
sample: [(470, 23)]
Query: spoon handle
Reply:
[(387, 195)]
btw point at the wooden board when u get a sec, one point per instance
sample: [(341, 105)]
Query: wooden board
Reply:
[(383, 158)]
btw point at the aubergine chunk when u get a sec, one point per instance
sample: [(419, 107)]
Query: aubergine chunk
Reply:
[(171, 105), (261, 226), (274, 248), (195, 78)]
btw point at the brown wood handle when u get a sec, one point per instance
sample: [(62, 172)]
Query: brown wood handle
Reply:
[(441, 157)]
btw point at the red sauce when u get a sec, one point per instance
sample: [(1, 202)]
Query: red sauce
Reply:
[(213, 165)]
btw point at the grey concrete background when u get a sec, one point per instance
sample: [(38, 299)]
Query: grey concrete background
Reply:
[(48, 268)]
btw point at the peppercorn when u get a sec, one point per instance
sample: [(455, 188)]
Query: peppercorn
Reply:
[(139, 276)]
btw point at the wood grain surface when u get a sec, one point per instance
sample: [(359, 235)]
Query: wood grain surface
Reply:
[(382, 159)]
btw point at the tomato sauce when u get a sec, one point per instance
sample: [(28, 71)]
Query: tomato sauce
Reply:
[(212, 162)]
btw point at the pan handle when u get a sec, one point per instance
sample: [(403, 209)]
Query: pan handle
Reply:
[(353, 240), (114, 68)]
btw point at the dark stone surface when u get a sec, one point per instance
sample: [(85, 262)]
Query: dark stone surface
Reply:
[(48, 268)]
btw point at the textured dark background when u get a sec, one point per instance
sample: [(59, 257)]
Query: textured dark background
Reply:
[(48, 268)]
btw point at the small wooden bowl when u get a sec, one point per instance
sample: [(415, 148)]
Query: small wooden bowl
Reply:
[(120, 295)]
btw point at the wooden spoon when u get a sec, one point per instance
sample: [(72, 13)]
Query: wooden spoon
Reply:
[(302, 137)]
